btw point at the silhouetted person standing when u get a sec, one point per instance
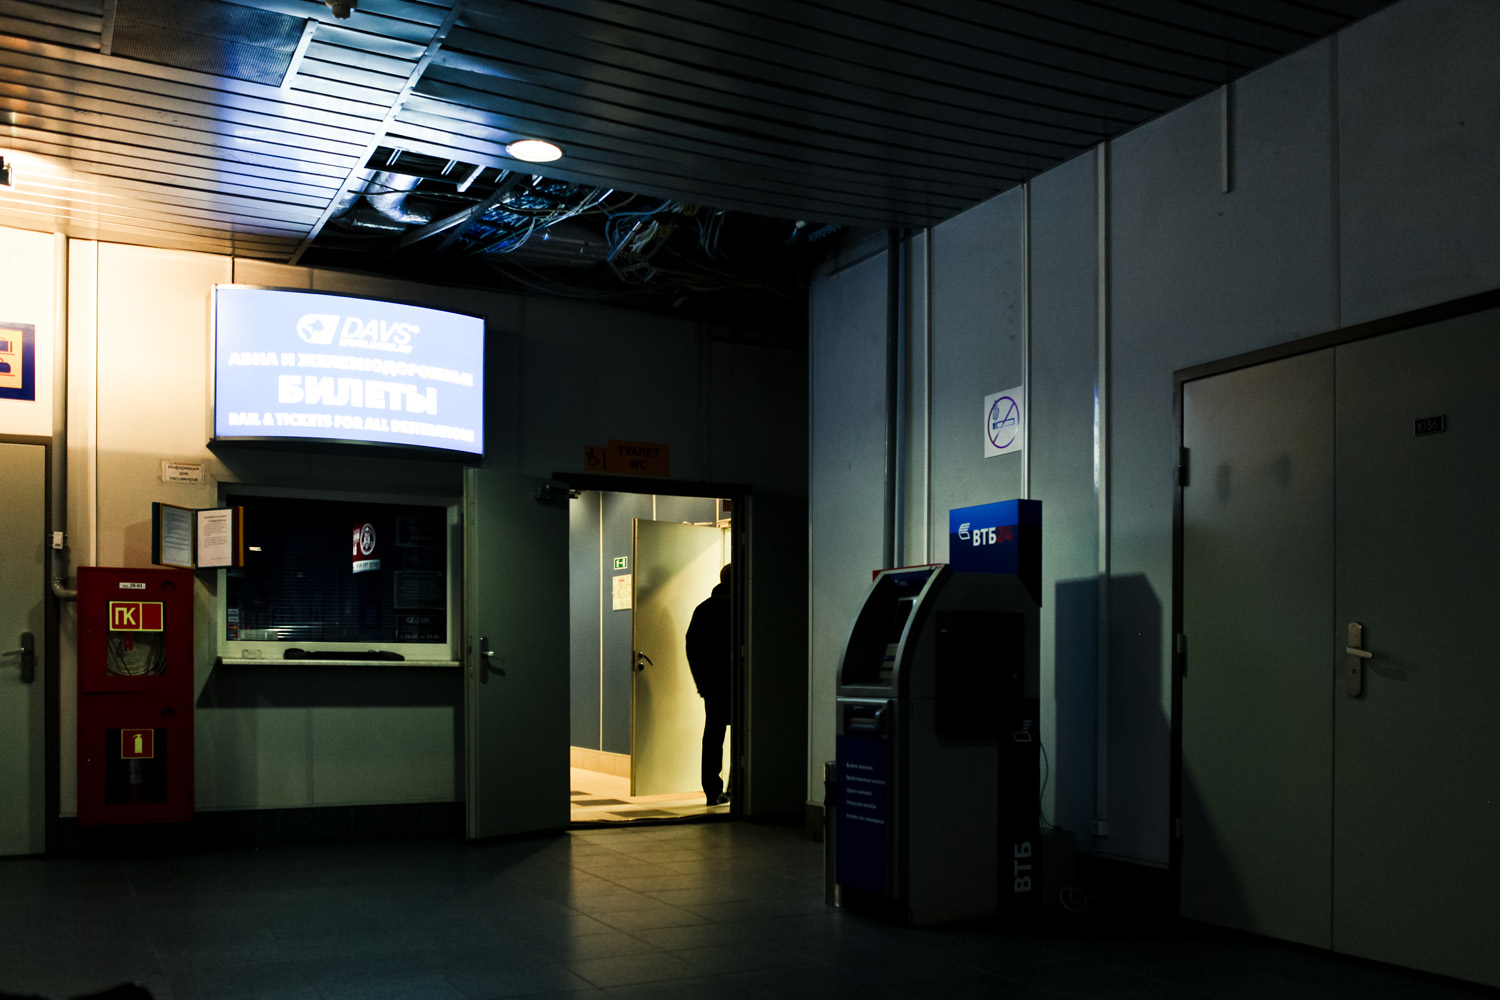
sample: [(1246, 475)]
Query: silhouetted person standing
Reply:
[(709, 657)]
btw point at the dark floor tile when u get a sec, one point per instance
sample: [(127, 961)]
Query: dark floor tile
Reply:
[(412, 988), (630, 970), (738, 956), (211, 981), (517, 980), (649, 917), (608, 945)]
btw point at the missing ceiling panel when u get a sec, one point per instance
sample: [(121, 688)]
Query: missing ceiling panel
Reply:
[(209, 36)]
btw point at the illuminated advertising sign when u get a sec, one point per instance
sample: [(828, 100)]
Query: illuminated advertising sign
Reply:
[(307, 365), (1004, 537)]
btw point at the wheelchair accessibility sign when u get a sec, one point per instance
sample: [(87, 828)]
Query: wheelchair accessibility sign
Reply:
[(1004, 422)]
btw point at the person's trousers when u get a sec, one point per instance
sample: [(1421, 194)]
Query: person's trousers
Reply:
[(715, 723)]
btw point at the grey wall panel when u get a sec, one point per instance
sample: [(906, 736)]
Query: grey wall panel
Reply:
[(1195, 274), (775, 737), (976, 351), (1194, 270), (1419, 153), (757, 417), (1064, 376), (847, 359), (592, 374), (913, 501), (586, 579)]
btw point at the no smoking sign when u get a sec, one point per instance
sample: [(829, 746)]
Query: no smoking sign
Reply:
[(1004, 422)]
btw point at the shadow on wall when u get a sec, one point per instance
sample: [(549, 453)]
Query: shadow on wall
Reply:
[(1071, 749), (1138, 766), (1139, 731)]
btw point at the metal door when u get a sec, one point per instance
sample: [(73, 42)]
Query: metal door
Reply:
[(516, 655), (1350, 487), (23, 582), (676, 566), (1257, 602), (1417, 753)]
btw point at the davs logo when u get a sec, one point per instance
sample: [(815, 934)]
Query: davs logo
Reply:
[(377, 334), (317, 328), (353, 331)]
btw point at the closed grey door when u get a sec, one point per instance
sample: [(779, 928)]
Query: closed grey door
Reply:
[(23, 569), (1257, 698), (516, 656), (1350, 486), (1417, 755)]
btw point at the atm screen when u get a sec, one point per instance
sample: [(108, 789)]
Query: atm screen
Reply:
[(900, 612)]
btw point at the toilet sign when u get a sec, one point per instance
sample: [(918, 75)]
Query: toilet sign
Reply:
[(1004, 422), (137, 744)]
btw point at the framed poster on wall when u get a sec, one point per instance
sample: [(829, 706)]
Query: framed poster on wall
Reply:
[(17, 361)]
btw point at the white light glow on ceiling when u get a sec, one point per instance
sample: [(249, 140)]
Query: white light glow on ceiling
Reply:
[(534, 151)]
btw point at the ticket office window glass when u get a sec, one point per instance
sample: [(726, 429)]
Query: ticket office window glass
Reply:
[(340, 574)]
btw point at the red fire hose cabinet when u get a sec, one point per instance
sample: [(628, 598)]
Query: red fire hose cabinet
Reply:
[(135, 695)]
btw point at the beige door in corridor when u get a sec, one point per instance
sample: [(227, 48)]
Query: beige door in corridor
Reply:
[(23, 602)]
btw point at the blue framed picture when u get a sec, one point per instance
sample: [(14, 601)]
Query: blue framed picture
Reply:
[(17, 361)]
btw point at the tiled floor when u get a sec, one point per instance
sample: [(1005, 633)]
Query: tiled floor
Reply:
[(606, 798), (729, 910)]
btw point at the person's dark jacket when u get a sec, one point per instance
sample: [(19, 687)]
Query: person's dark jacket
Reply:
[(708, 650)]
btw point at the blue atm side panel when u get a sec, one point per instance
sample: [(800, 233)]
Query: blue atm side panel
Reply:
[(864, 813), (1004, 537)]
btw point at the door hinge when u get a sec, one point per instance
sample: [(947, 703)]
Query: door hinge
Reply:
[(1179, 646), (1182, 466)]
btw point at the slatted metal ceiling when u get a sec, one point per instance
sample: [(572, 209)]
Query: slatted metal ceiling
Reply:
[(876, 113)]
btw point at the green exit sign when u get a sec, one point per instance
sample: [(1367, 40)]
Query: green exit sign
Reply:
[(622, 562)]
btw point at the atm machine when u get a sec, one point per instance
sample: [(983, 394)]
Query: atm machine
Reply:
[(937, 767)]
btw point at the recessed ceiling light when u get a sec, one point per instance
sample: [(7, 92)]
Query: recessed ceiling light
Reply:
[(534, 151)]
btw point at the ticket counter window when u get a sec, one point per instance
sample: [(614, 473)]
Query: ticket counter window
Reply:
[(321, 572)]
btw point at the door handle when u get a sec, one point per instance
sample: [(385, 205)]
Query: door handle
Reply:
[(639, 656), (487, 658), (1355, 655), (27, 653)]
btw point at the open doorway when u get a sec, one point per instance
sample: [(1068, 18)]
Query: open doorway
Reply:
[(639, 565)]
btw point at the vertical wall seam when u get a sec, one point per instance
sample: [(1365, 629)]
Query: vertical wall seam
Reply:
[(927, 270), (599, 606), (814, 788), (1226, 137), (1102, 636), (94, 435), (1336, 267), (1335, 165), (902, 495), (1026, 340), (892, 429)]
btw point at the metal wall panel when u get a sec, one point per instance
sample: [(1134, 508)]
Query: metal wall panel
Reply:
[(845, 476), (978, 287), (1195, 274), (1419, 151), (1064, 377)]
